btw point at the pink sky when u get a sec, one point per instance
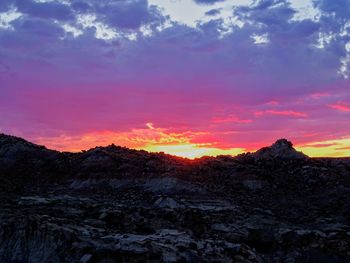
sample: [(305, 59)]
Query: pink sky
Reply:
[(74, 75)]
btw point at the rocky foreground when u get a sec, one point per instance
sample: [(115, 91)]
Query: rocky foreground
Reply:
[(113, 204)]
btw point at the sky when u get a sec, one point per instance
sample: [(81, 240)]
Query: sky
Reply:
[(185, 77)]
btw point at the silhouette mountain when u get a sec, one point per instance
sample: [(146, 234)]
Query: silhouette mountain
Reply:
[(282, 148), (114, 204)]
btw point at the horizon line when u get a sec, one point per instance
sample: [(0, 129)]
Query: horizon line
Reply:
[(167, 153)]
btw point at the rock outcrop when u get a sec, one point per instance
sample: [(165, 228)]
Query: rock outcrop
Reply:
[(113, 204), (281, 149)]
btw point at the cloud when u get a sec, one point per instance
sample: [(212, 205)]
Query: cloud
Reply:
[(150, 138), (7, 18), (213, 12), (81, 7), (340, 107), (230, 119), (343, 148), (321, 145), (47, 10), (39, 27), (128, 14), (5, 5), (288, 113), (207, 2), (338, 147), (339, 8)]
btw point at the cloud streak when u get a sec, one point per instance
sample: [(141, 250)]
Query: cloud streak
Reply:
[(340, 107), (289, 113)]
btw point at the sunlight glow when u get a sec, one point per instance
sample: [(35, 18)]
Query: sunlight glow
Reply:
[(155, 139), (331, 148), (191, 151), (151, 138)]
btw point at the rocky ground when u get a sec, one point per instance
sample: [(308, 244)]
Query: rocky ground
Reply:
[(113, 204)]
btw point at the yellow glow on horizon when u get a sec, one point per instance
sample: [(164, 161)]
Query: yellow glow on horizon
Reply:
[(155, 139), (191, 151), (329, 148)]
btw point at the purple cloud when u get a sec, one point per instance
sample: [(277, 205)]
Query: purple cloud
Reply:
[(5, 5), (340, 8), (213, 12), (129, 14), (47, 10)]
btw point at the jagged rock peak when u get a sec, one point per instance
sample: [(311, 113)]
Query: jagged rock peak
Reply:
[(283, 143), (282, 149)]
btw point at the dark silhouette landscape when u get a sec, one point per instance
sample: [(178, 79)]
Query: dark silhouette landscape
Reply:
[(114, 204)]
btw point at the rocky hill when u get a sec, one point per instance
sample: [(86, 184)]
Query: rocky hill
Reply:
[(113, 204)]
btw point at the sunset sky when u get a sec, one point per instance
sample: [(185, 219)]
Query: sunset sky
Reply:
[(186, 77)]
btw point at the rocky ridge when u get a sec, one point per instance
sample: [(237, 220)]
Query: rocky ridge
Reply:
[(113, 204)]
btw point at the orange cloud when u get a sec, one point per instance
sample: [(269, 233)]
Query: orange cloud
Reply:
[(344, 148), (151, 139), (188, 144)]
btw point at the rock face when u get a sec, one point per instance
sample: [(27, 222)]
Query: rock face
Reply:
[(281, 149), (113, 204)]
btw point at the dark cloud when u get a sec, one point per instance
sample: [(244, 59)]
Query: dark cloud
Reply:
[(5, 5), (39, 27), (268, 12), (121, 14), (213, 12), (207, 2), (341, 8), (129, 14), (48, 10), (81, 7)]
